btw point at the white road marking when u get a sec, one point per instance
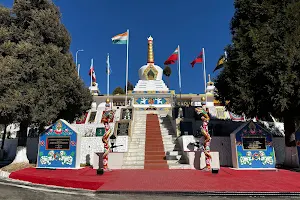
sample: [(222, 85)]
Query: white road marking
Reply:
[(48, 190)]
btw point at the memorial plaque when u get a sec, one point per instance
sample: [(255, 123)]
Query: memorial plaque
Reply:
[(58, 143), (254, 143), (100, 132), (123, 128), (127, 113), (92, 117)]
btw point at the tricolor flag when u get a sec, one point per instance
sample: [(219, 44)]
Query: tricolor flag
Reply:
[(199, 59), (120, 38), (92, 72), (173, 58)]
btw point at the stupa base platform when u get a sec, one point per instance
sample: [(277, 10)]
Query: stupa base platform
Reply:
[(154, 101)]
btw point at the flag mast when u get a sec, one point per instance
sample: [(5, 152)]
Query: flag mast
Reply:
[(204, 73), (92, 67), (127, 67), (108, 73), (179, 73)]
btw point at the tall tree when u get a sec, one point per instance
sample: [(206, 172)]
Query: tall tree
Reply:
[(167, 72), (129, 86), (45, 84), (118, 90), (262, 72)]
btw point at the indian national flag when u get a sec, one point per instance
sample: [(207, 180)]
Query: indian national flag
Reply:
[(120, 39)]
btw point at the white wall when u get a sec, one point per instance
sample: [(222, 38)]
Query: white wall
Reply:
[(223, 146), (89, 145)]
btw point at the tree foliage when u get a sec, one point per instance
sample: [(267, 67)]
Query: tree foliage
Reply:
[(261, 75), (38, 80), (118, 90), (167, 72), (129, 86)]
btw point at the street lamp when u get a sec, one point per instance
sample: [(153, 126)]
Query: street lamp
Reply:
[(113, 140), (76, 59)]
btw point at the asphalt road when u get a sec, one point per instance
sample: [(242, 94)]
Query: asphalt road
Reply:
[(11, 192)]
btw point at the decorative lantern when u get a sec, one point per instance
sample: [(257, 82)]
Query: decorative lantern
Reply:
[(113, 141)]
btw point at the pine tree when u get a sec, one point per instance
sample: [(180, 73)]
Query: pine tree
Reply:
[(262, 72), (39, 82), (118, 90)]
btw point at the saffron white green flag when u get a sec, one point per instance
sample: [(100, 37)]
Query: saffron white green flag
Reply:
[(120, 38)]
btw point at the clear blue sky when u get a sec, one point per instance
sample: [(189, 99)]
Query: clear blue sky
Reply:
[(192, 24)]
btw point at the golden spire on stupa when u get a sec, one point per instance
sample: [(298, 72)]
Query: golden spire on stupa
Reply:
[(150, 50)]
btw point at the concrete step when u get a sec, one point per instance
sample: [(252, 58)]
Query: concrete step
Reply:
[(141, 147), (135, 150), (172, 157), (138, 140), (133, 162), (171, 149), (169, 145), (134, 158), (133, 154), (174, 153), (173, 162), (166, 140)]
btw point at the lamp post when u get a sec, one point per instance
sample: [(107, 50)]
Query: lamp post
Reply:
[(113, 140), (76, 59)]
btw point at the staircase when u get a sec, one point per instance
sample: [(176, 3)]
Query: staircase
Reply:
[(153, 144), (171, 146), (154, 147), (134, 158)]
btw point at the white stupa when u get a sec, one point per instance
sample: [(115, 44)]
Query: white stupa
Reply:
[(150, 75), (151, 91), (94, 89)]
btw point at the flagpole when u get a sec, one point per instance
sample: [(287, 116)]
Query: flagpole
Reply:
[(127, 67), (108, 73), (204, 74), (92, 66), (179, 73)]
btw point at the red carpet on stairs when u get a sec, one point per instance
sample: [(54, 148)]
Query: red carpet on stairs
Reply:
[(154, 147)]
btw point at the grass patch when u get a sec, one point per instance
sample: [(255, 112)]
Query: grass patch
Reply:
[(17, 166)]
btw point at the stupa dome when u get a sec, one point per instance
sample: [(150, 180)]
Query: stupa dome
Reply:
[(150, 71)]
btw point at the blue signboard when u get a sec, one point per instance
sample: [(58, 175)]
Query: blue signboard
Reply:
[(58, 147), (254, 147)]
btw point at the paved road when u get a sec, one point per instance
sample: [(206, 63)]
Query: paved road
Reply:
[(10, 192)]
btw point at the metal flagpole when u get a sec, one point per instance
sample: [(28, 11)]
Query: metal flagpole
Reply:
[(179, 73), (127, 67), (204, 74), (78, 68), (92, 67), (108, 73)]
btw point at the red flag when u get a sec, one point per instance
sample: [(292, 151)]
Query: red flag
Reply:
[(92, 73), (173, 58), (199, 59)]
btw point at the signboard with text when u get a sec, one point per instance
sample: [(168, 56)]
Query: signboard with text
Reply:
[(59, 147), (252, 147)]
